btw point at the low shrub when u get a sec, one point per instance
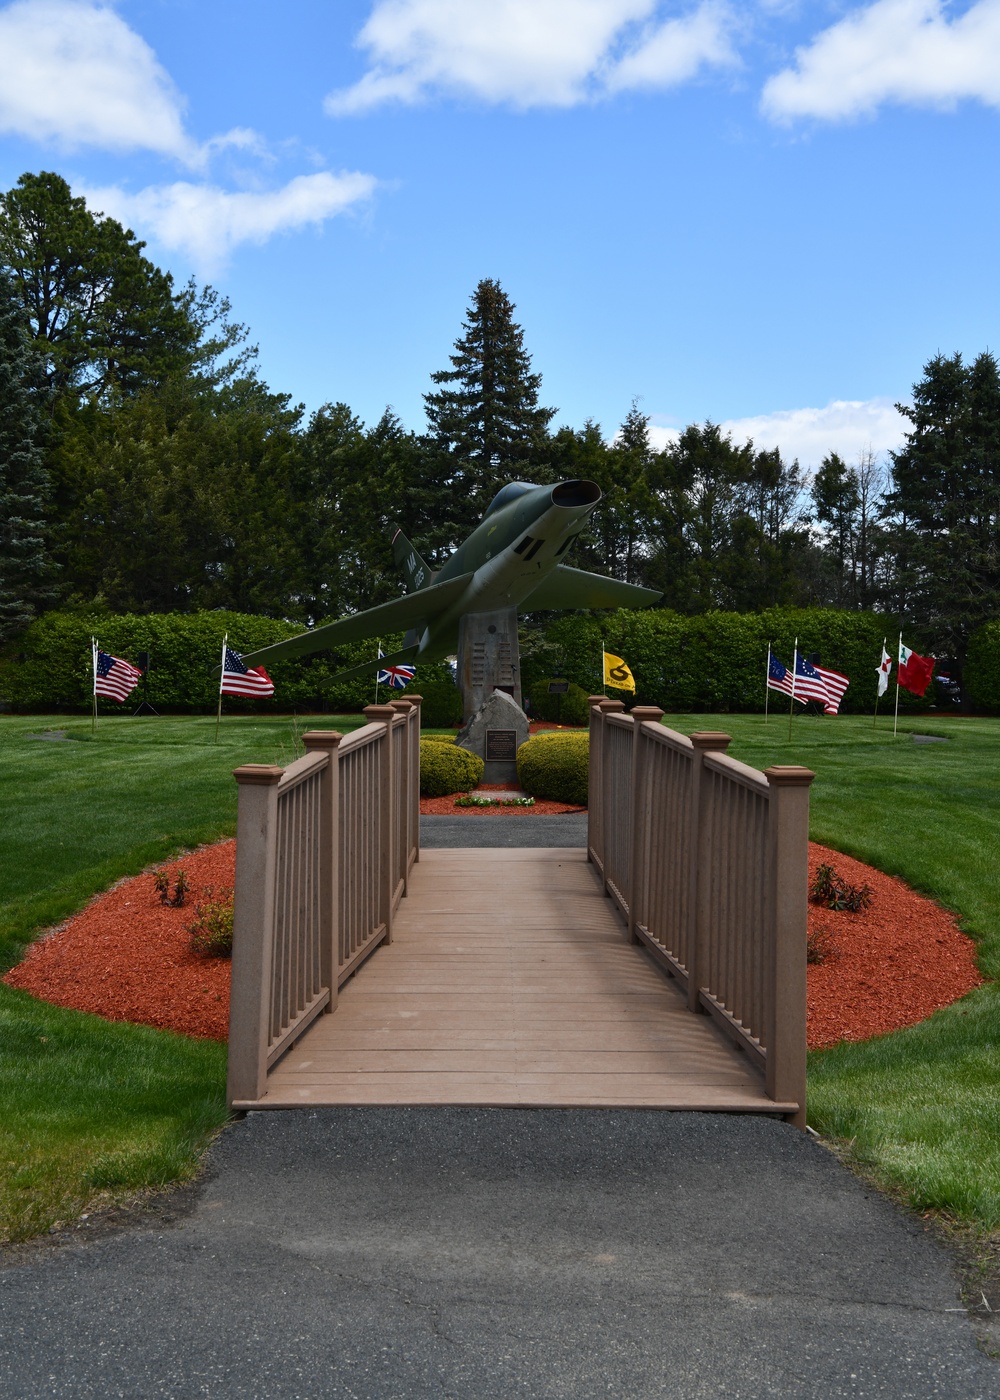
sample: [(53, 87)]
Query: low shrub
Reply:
[(554, 766), (570, 708), (445, 768), (833, 892), (212, 929)]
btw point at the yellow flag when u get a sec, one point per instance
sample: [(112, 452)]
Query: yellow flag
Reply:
[(617, 674)]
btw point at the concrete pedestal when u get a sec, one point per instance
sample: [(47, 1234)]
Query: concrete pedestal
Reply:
[(489, 676), (488, 659)]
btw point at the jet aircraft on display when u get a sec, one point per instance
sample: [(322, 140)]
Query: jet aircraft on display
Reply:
[(511, 560)]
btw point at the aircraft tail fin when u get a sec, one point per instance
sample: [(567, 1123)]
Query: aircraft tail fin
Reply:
[(414, 569)]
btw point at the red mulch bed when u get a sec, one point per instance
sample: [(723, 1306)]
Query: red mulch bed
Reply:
[(127, 957), (886, 967)]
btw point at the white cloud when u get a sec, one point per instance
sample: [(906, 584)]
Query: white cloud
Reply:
[(74, 73), (904, 51), (847, 426), (207, 223), (529, 53), (675, 51)]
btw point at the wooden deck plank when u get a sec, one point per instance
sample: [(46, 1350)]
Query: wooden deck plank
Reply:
[(509, 982)]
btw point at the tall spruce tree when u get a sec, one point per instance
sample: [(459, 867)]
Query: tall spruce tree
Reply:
[(486, 418), (946, 500), (24, 563)]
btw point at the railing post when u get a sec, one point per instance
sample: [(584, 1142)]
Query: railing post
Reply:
[(403, 707), (785, 1076), (384, 714), (701, 874), (327, 740), (594, 829), (607, 707), (253, 931), (414, 751), (641, 714)]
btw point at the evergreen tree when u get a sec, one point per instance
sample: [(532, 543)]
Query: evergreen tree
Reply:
[(24, 563), (946, 500), (103, 318), (485, 418)]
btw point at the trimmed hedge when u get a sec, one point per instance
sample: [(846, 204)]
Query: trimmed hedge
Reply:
[(48, 668), (570, 708), (554, 766), (982, 669), (445, 768), (715, 662), (442, 702)]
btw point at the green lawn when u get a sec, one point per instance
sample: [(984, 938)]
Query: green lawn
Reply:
[(87, 1107), (920, 1108)]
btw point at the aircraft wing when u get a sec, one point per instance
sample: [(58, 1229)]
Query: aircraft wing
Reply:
[(575, 588), (414, 610), (368, 668)]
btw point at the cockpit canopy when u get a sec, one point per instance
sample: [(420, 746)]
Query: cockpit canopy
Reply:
[(509, 493)]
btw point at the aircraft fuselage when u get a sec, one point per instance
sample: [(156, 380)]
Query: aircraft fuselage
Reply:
[(512, 549)]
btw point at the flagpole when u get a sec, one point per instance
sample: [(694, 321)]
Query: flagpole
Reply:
[(378, 657), (899, 653), (767, 682), (93, 658), (222, 678), (791, 700)]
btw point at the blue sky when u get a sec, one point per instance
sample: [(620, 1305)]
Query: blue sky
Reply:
[(770, 215)]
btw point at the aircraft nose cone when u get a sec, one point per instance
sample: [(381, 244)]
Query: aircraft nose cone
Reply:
[(574, 494)]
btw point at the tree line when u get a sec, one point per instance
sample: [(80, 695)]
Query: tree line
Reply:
[(145, 466)]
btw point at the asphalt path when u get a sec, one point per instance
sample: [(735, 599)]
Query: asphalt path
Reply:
[(502, 1254), (396, 1254), (479, 829)]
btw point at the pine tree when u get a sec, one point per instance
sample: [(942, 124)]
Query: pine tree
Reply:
[(24, 564), (946, 500), (486, 417)]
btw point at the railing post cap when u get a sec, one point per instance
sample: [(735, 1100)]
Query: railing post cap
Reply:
[(322, 738), (263, 774), (610, 706), (595, 699), (713, 739), (376, 714), (415, 699), (641, 713), (789, 775), (401, 706)]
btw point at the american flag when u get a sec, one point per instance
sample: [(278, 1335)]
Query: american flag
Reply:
[(809, 682), (239, 679), (396, 676), (779, 677), (835, 684), (114, 677)]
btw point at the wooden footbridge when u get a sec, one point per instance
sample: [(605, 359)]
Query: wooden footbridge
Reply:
[(662, 966)]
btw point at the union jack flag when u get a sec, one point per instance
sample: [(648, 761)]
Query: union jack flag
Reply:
[(397, 676)]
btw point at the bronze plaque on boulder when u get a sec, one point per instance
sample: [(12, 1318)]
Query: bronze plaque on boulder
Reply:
[(501, 745)]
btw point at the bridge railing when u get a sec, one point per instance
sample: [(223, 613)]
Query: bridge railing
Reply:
[(707, 860), (324, 850)]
